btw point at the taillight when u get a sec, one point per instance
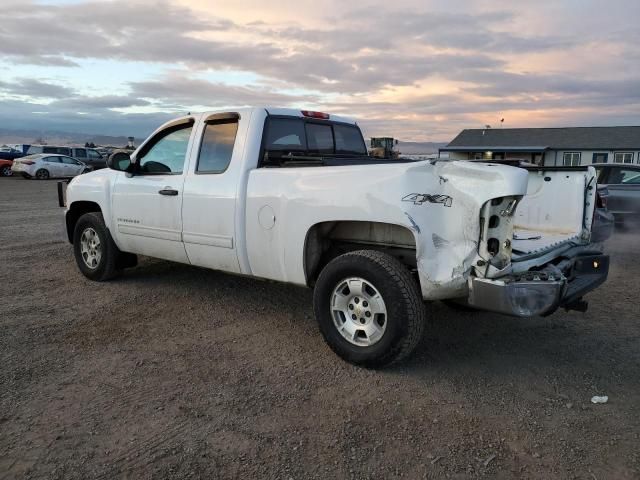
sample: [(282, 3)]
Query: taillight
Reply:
[(27, 162), (310, 114)]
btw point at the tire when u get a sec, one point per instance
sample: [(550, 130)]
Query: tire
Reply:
[(91, 236), (6, 171), (404, 314), (42, 174)]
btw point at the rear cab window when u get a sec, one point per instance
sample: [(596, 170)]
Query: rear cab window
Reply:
[(301, 141)]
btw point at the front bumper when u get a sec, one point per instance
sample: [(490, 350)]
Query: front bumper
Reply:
[(540, 292)]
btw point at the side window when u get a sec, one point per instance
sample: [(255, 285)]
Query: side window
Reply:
[(69, 160), (94, 155), (319, 138), (600, 157), (623, 157), (624, 176), (52, 159), (80, 153), (167, 152), (49, 150), (349, 140), (571, 159), (217, 146)]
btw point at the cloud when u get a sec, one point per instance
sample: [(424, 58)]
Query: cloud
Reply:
[(25, 115), (35, 88), (422, 69), (177, 90)]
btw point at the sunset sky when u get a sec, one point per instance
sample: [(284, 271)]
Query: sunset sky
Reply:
[(416, 70)]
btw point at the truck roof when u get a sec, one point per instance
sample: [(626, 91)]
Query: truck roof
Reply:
[(293, 112)]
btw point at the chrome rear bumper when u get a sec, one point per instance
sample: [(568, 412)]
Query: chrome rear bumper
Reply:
[(540, 293)]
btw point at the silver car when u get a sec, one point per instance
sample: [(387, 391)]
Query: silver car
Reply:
[(622, 181), (43, 166)]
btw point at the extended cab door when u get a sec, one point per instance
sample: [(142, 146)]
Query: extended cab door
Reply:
[(147, 203), (211, 190)]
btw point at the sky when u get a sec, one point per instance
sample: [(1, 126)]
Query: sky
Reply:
[(418, 70)]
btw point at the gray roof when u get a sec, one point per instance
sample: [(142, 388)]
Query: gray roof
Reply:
[(582, 138)]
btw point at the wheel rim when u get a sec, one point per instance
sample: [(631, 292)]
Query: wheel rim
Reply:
[(6, 171), (42, 174), (90, 248), (358, 311)]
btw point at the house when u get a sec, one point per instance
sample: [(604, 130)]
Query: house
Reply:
[(548, 146)]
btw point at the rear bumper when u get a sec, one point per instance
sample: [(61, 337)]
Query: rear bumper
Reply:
[(540, 293)]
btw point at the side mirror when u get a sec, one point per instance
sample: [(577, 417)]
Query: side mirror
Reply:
[(120, 161)]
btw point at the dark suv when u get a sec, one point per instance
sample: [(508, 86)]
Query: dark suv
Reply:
[(88, 156), (623, 183)]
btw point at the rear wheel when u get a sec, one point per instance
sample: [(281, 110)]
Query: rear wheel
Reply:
[(369, 308), (6, 171), (96, 253), (42, 174)]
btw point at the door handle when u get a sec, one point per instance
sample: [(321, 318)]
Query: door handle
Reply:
[(168, 191)]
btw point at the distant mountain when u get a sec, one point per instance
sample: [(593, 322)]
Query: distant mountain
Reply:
[(54, 137), (419, 148)]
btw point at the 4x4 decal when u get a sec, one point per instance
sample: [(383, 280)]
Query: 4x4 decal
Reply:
[(420, 198)]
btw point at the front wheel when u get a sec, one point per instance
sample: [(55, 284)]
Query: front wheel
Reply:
[(6, 171), (96, 253), (42, 174), (369, 308)]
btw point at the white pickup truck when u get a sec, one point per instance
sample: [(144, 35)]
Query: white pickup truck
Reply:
[(292, 196)]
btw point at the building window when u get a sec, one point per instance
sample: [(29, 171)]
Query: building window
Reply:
[(571, 159), (623, 157), (600, 157)]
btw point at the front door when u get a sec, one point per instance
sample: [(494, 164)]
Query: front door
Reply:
[(71, 166), (54, 166), (147, 203)]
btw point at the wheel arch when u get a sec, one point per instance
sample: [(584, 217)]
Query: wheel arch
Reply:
[(329, 239), (76, 210)]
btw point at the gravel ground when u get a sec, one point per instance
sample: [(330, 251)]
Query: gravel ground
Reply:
[(178, 372)]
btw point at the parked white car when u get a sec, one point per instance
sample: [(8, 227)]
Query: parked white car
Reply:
[(292, 196), (43, 166)]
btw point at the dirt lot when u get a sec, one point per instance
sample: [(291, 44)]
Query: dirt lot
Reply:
[(178, 372)]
